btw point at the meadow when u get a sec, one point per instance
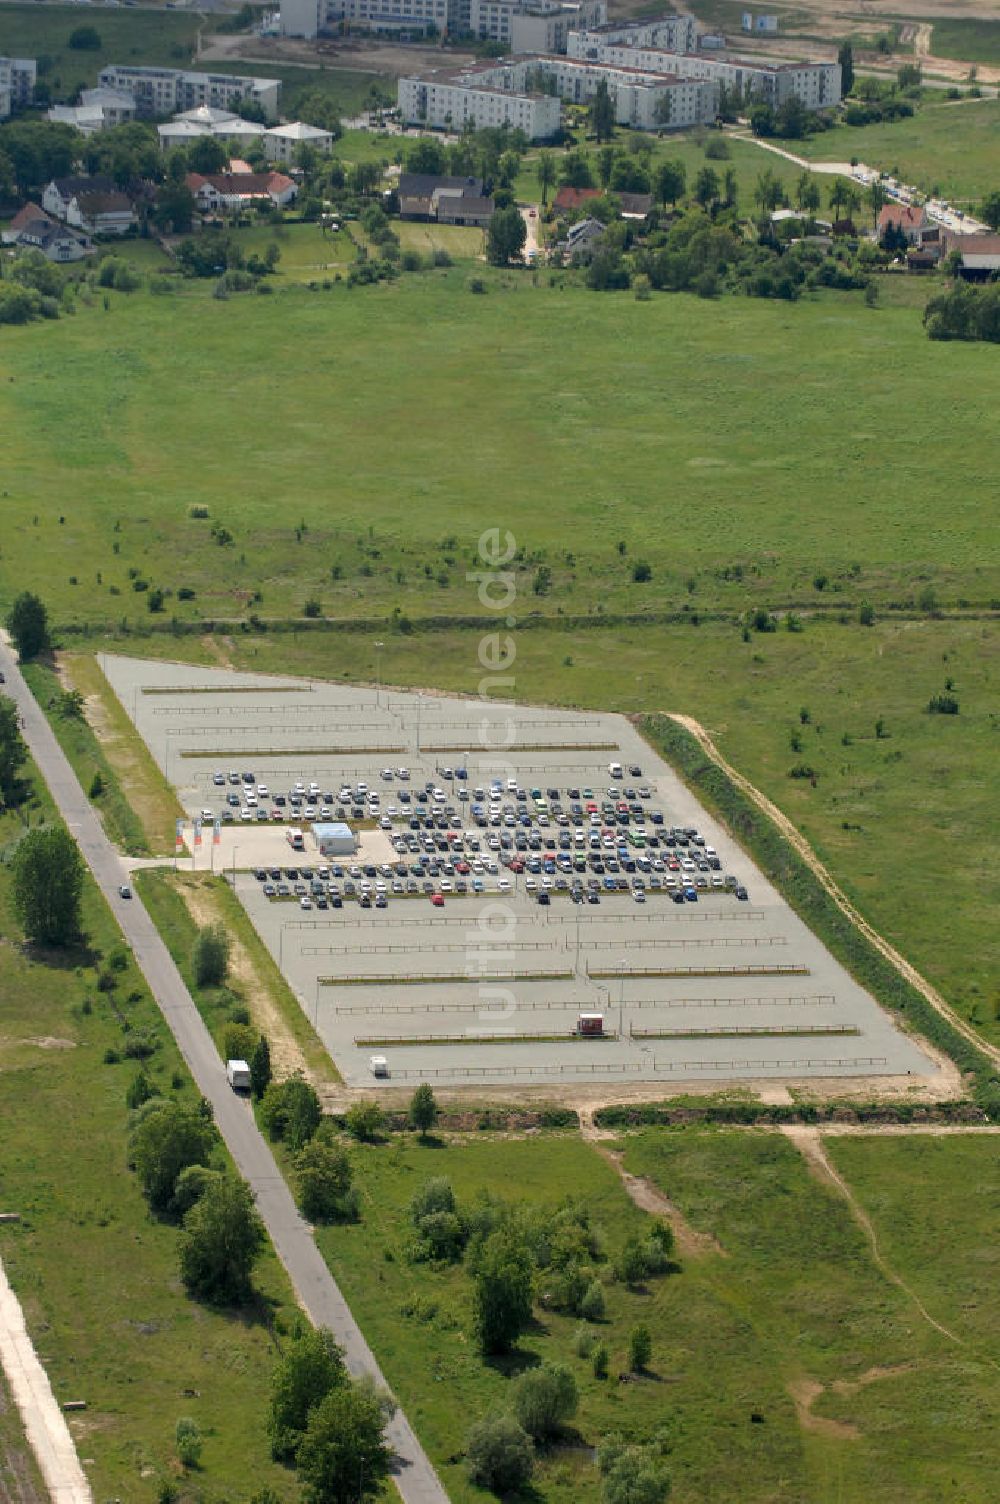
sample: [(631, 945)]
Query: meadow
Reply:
[(948, 147), (786, 1298), (95, 1273), (971, 41)]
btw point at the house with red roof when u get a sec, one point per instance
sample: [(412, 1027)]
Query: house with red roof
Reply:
[(237, 190), (910, 219)]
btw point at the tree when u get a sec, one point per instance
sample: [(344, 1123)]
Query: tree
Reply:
[(807, 194), (640, 1348), (423, 1109), (575, 170), (762, 119), (877, 197), (505, 236), (503, 1292), (222, 1239), (845, 57), (210, 957), (840, 193), (365, 1121), (426, 156), (310, 1369), (500, 1455), (990, 210), (671, 179), (318, 107), (323, 1183), (545, 1399), (28, 624), (706, 188), (13, 750), (166, 1139), (291, 1110), (730, 189), (260, 1067), (592, 1305), (546, 174), (207, 155), (768, 192), (187, 1434), (343, 1457), (909, 76), (602, 113), (48, 881), (85, 39)]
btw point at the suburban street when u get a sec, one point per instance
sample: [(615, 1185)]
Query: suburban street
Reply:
[(315, 1287)]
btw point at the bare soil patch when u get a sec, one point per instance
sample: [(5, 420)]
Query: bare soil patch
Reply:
[(805, 1393)]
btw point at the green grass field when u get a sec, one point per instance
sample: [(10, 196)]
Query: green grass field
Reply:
[(793, 1298), (969, 41), (949, 146), (155, 37), (96, 1275)]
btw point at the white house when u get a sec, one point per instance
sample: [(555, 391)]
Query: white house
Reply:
[(282, 142), (237, 190), (33, 229)]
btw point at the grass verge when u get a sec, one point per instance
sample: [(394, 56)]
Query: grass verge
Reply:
[(87, 759)]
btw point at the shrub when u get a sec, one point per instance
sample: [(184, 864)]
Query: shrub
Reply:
[(364, 1121), (312, 608), (640, 1348), (239, 1042), (189, 1443), (290, 1110), (599, 1362), (942, 705), (592, 1306), (500, 1455), (544, 1399), (210, 957), (642, 572), (476, 285), (139, 1090), (323, 1183)]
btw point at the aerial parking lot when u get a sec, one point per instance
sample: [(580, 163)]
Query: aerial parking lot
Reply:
[(526, 896)]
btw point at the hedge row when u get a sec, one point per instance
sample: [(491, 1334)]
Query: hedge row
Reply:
[(810, 900), (737, 1114)]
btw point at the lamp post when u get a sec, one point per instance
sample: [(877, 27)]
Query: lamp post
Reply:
[(621, 997), (378, 670)]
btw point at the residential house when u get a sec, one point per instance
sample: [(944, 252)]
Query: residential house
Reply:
[(634, 205), (421, 194), (237, 190), (582, 240), (464, 209), (206, 120), (911, 219), (103, 213), (33, 229), (568, 199), (61, 192)]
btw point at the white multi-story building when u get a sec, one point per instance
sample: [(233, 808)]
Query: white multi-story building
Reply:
[(669, 33), (98, 110), (816, 85), (478, 97), (168, 91), (18, 76), (646, 98), (489, 20), (282, 142)]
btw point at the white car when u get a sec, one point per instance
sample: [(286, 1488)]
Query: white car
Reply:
[(403, 773), (503, 884), (387, 774)]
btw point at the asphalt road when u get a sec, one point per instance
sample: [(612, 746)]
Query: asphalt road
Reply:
[(315, 1287)]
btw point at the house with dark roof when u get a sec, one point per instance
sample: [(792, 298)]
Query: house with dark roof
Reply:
[(634, 205), (980, 255), (421, 196), (32, 229), (455, 209), (102, 213), (61, 192)]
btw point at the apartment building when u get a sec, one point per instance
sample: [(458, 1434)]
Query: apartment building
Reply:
[(669, 34), (488, 20), (816, 85), (646, 98), (478, 96), (170, 91), (18, 76)]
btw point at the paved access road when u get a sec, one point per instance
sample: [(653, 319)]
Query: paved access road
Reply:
[(314, 1285)]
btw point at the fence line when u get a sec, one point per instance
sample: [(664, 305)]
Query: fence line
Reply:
[(530, 1005), (651, 1067)]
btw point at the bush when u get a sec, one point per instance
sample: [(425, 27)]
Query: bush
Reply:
[(290, 1110), (239, 1042), (364, 1121), (85, 39), (500, 1455), (189, 1443), (599, 1362), (96, 786), (592, 1306), (323, 1183), (640, 1348), (139, 1090), (222, 1239), (942, 705), (312, 608), (210, 957), (642, 572), (545, 1399)]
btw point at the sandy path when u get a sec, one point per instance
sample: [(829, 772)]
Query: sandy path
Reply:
[(44, 1425), (801, 845)]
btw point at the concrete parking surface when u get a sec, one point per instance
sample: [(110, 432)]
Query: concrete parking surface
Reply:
[(489, 987)]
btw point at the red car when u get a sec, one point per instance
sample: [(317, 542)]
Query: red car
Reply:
[(437, 899)]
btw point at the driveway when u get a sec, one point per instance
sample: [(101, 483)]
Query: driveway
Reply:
[(314, 1285)]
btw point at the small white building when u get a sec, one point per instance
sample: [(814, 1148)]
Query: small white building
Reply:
[(334, 838), (282, 142)]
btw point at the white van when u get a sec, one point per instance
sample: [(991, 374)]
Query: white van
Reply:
[(615, 770)]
